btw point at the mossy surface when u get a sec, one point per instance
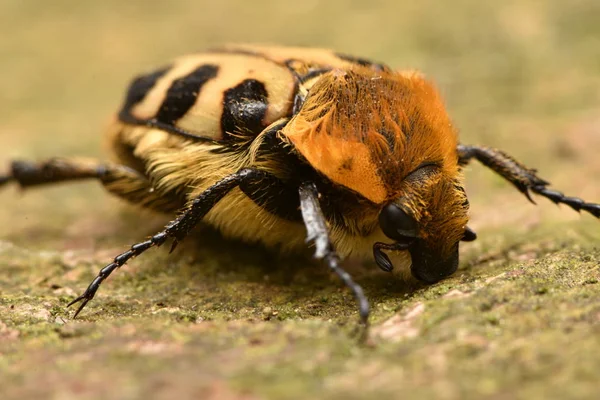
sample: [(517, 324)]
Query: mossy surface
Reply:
[(227, 320)]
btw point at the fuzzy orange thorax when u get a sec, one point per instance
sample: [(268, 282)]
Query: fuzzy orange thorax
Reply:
[(368, 130)]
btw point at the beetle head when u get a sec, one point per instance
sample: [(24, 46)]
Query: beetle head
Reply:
[(387, 137), (428, 220)]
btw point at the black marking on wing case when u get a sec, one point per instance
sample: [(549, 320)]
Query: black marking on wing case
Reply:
[(180, 98), (140, 86), (151, 123), (183, 93), (363, 61), (244, 109)]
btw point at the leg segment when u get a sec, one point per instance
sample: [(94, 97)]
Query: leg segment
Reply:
[(317, 232), (55, 170), (176, 229), (120, 180), (525, 179)]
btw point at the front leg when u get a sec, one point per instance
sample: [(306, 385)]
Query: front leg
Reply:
[(176, 229), (317, 232), (525, 179)]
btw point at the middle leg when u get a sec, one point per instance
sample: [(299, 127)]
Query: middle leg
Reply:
[(177, 229)]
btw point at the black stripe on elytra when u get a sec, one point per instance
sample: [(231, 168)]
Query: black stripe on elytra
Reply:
[(363, 61), (140, 86), (183, 93), (244, 108), (127, 118)]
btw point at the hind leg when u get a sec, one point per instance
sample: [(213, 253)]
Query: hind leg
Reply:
[(120, 180), (27, 174)]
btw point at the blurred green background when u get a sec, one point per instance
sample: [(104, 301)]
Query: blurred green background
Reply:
[(521, 75)]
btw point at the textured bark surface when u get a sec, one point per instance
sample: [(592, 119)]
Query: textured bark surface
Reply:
[(220, 319)]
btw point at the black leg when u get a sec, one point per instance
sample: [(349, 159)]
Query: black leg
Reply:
[(317, 232), (120, 180), (525, 179), (27, 174), (176, 229)]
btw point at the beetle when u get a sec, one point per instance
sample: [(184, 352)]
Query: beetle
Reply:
[(278, 144)]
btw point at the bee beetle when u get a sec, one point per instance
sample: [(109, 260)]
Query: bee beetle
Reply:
[(276, 144)]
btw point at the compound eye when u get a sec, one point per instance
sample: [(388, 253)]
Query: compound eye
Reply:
[(397, 224)]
